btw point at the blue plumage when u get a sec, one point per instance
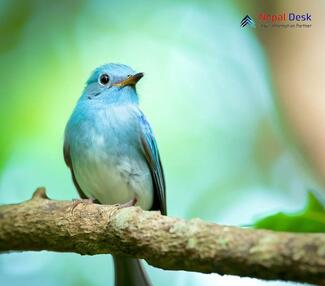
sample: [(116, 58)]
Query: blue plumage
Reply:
[(112, 153), (109, 144)]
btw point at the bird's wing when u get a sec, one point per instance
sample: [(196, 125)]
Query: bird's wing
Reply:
[(67, 159), (150, 150)]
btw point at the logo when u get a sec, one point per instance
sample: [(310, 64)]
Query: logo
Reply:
[(247, 20), (278, 20)]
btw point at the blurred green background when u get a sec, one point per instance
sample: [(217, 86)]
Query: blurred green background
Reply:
[(229, 151)]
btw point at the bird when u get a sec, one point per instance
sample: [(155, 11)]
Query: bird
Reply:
[(112, 153)]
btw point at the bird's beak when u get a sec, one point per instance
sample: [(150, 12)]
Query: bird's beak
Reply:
[(131, 80)]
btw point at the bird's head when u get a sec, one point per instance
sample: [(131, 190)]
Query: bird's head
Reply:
[(112, 83)]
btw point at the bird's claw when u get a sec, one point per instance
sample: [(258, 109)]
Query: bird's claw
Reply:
[(130, 203), (76, 202)]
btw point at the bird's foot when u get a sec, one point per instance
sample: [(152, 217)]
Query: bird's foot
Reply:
[(77, 202), (130, 203)]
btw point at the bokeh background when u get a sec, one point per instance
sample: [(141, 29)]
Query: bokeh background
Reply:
[(239, 113)]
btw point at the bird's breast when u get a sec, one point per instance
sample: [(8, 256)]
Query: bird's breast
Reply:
[(107, 160)]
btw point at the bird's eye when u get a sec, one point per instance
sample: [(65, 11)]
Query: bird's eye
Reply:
[(104, 79)]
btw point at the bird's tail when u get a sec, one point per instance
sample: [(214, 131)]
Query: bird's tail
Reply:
[(129, 272)]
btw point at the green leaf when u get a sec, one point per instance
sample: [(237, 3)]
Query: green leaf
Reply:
[(310, 219)]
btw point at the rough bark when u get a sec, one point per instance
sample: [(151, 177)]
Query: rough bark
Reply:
[(164, 242)]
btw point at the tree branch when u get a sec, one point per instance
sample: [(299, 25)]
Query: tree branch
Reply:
[(164, 242)]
